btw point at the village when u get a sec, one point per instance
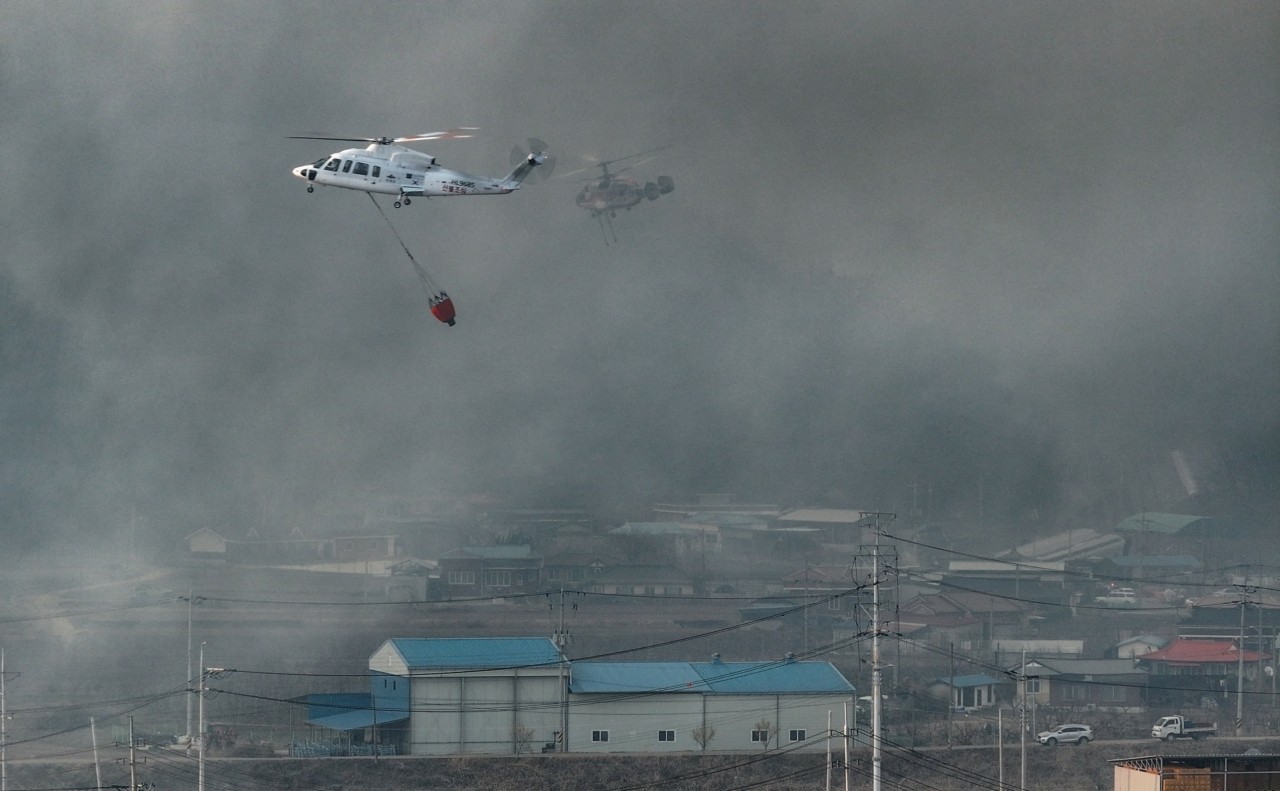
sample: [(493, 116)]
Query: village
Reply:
[(1111, 627)]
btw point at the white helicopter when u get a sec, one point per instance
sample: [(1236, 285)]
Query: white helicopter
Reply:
[(387, 168)]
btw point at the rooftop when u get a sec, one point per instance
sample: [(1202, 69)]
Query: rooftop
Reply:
[(1149, 522), (475, 652), (971, 680), (1198, 651), (715, 677)]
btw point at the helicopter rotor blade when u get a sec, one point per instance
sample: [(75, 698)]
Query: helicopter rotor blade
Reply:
[(603, 165), (579, 170), (460, 133), (633, 156), (339, 139)]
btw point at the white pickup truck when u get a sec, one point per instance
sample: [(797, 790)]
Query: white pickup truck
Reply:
[(1178, 727)]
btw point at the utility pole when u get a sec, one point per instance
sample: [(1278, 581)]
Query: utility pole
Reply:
[(1244, 599), (1022, 722), (200, 736), (808, 601), (561, 640), (133, 764), (846, 740), (830, 733), (875, 665), (4, 731), (951, 688), (134, 785), (4, 726), (876, 694), (191, 600), (1000, 744), (97, 767)]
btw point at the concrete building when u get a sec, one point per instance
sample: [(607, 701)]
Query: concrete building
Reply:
[(474, 695), (454, 696), (693, 706)]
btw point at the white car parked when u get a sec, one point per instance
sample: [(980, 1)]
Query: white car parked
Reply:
[(1078, 735)]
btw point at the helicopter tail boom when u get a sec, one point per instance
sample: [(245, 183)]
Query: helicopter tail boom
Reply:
[(522, 170)]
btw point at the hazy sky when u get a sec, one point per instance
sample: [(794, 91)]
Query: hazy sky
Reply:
[(1023, 248)]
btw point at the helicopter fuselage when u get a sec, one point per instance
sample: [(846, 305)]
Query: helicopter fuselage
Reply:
[(613, 195), (395, 170)]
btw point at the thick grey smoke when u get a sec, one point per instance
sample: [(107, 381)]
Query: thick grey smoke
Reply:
[(999, 256)]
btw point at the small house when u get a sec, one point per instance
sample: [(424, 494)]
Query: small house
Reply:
[(970, 692)]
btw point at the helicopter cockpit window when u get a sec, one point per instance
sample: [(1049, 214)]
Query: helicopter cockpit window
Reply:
[(361, 169), (346, 166), (319, 162), (333, 164)]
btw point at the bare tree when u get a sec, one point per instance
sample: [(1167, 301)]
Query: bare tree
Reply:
[(521, 736), (703, 734)]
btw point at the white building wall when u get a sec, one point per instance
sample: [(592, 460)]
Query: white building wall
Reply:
[(480, 712), (633, 724), (436, 719), (734, 717), (388, 660)]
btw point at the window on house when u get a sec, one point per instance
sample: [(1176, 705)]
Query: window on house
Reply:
[(462, 578), (671, 590), (599, 736), (666, 736), (650, 590), (1033, 686), (1114, 693), (760, 736), (834, 603), (553, 574), (1073, 692), (497, 577), (796, 734)]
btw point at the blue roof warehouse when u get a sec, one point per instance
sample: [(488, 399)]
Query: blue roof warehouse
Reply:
[(448, 696)]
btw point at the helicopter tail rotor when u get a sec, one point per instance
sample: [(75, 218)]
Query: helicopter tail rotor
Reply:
[(536, 147)]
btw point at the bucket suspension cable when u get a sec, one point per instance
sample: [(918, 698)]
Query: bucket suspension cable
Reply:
[(438, 300)]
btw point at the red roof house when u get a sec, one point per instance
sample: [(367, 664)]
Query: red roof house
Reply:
[(1198, 657)]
